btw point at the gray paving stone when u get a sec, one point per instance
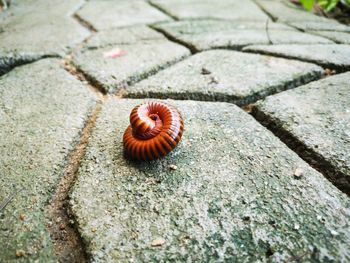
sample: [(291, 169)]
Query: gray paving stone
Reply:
[(295, 16), (338, 37), (332, 56), (222, 9), (241, 202), (140, 61), (223, 75), (42, 111), (35, 29), (209, 34), (315, 119), (127, 35), (119, 14), (329, 25)]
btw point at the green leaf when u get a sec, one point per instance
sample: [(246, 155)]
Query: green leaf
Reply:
[(308, 4), (327, 5)]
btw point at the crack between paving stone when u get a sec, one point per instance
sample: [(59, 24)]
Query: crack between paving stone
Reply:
[(171, 38), (159, 8), (18, 62), (315, 160), (93, 85), (220, 97), (67, 242), (273, 18), (82, 21)]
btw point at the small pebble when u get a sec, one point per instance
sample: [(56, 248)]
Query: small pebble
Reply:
[(298, 173), (205, 71), (22, 217), (158, 242), (172, 167)]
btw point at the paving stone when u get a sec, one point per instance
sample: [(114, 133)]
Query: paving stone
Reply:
[(283, 11), (127, 35), (332, 56), (35, 30), (138, 62), (315, 119), (118, 14), (222, 9), (241, 202), (42, 111), (223, 75), (208, 34), (338, 37), (329, 25)]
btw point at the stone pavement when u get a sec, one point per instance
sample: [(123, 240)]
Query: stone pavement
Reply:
[(260, 175)]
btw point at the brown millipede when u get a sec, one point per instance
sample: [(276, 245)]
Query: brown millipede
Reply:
[(155, 129)]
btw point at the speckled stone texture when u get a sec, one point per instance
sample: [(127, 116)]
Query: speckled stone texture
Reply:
[(222, 9), (330, 56), (241, 202), (315, 119), (338, 37), (31, 30), (42, 111), (106, 14), (139, 60), (209, 33), (127, 35), (223, 75)]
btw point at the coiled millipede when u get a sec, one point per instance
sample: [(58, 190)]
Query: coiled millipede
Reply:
[(155, 129)]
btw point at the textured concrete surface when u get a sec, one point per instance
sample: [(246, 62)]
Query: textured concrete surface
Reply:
[(338, 37), (316, 118), (231, 191), (32, 31), (42, 111), (127, 35), (139, 61), (331, 56), (282, 11), (209, 34), (224, 75), (250, 199), (222, 9), (119, 14)]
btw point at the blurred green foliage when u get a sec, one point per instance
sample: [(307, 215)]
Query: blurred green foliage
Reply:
[(327, 5)]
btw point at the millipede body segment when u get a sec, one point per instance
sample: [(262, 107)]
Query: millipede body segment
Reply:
[(155, 129)]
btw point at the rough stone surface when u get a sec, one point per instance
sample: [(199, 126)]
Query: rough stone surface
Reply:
[(332, 56), (289, 13), (222, 9), (118, 14), (338, 37), (42, 111), (223, 75), (139, 61), (240, 203), (316, 118), (34, 29), (127, 35), (208, 34)]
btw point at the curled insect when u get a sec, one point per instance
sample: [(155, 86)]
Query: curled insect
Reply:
[(155, 129)]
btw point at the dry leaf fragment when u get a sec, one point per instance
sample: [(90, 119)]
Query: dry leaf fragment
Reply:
[(114, 53)]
